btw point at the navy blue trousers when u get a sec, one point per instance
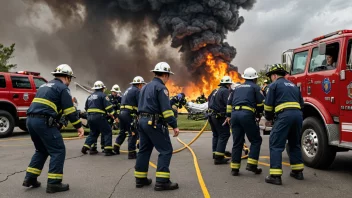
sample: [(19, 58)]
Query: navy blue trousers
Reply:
[(151, 137), (48, 142), (243, 123)]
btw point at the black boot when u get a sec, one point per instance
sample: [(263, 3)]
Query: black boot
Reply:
[(53, 188), (272, 179), (117, 150), (253, 168), (132, 155), (31, 182), (297, 175), (227, 154), (102, 150), (235, 172), (93, 151), (160, 186), (140, 182), (213, 155), (220, 160), (84, 150), (109, 152)]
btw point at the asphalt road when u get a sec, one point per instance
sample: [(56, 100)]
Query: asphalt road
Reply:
[(100, 176)]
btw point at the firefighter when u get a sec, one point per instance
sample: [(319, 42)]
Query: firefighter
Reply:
[(98, 106), (244, 105), (201, 99), (283, 105), (177, 102), (221, 132), (42, 122), (155, 114), (265, 87), (128, 118)]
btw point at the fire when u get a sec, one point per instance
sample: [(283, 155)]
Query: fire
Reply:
[(215, 70)]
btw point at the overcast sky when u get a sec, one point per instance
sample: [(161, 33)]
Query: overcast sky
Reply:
[(271, 27)]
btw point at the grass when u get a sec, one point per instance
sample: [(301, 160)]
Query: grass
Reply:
[(183, 124)]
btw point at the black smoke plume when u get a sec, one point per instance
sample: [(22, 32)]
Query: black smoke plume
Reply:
[(195, 27)]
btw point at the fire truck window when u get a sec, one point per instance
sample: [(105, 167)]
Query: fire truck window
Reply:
[(324, 62), (20, 82), (349, 53), (299, 62), (2, 82), (38, 82)]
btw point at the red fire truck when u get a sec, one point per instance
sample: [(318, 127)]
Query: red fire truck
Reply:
[(17, 91), (322, 69)]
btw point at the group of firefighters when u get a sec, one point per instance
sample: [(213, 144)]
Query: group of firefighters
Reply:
[(148, 108)]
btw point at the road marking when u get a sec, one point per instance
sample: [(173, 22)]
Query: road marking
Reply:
[(199, 174)]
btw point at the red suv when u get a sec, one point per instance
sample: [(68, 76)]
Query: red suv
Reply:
[(17, 91)]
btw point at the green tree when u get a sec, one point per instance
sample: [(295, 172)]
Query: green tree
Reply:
[(262, 76), (5, 55), (107, 92)]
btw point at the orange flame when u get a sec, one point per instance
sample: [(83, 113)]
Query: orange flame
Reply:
[(215, 71)]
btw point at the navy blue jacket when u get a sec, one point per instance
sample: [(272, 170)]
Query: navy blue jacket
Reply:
[(53, 99), (130, 98), (154, 99), (248, 96), (116, 102), (98, 102), (282, 94), (219, 99)]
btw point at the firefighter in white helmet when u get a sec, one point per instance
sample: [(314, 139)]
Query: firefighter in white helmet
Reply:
[(43, 114), (155, 115), (244, 106), (98, 106), (128, 118), (217, 111)]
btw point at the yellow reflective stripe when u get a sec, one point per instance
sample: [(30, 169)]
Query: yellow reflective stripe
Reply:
[(245, 107), (228, 108), (268, 108), (54, 176), (86, 145), (118, 111), (287, 105), (218, 153), (108, 147), (297, 166), (117, 145), (235, 165), (108, 107), (69, 110), (77, 122), (94, 110), (140, 174), (129, 107), (45, 102), (34, 171), (260, 105), (275, 171), (252, 161), (163, 174), (168, 113), (112, 112)]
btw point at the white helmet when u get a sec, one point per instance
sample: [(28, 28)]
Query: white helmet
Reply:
[(116, 89), (163, 67), (137, 80), (249, 73), (226, 80), (63, 69), (98, 85)]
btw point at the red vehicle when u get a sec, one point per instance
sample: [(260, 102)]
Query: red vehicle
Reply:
[(17, 91), (322, 69)]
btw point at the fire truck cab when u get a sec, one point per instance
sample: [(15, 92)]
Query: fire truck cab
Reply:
[(17, 90), (322, 69)]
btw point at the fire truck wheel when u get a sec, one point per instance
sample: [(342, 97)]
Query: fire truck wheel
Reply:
[(316, 151), (7, 124)]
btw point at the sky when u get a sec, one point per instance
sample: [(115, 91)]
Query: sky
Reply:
[(270, 28)]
